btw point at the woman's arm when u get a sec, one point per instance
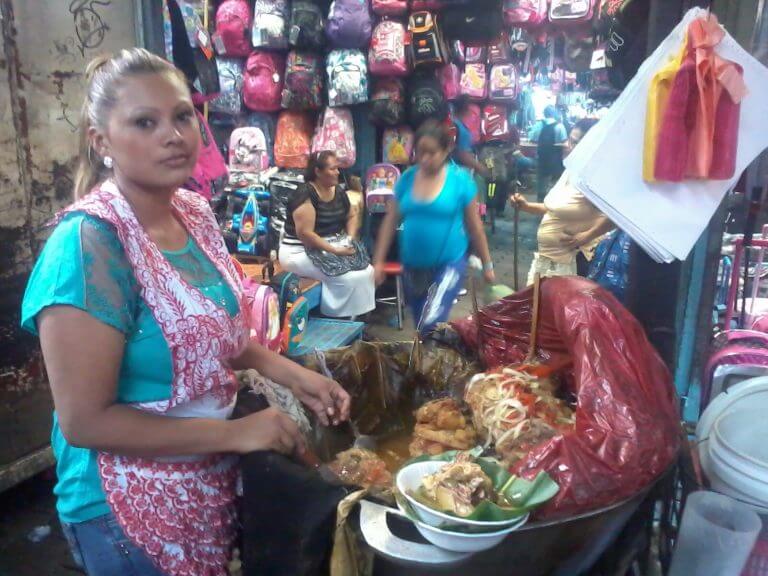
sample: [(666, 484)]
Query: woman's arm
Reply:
[(304, 218), (353, 220), (83, 358), (326, 398), (384, 240), (602, 226), (479, 241)]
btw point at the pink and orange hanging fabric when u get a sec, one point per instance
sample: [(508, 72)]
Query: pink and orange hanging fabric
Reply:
[(694, 104)]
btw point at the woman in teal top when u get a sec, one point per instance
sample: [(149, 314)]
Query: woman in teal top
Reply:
[(141, 378), (436, 202)]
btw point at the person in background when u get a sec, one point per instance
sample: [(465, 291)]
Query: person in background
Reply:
[(463, 151), (142, 319), (571, 226), (321, 218), (436, 200), (550, 137)]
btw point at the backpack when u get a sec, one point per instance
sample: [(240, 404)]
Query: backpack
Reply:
[(336, 132), (307, 26), (495, 123), (450, 80), (347, 77), (473, 120), (610, 265), (285, 284), (427, 47), (503, 82), (457, 52), (270, 24), (282, 187), (349, 24), (425, 99), (380, 187), (233, 27), (525, 13), (293, 139), (571, 11), (494, 158), (229, 101), (426, 5), (474, 82), (210, 174), (475, 24), (263, 81), (294, 325), (264, 312), (265, 123), (387, 54), (248, 150), (500, 52), (389, 7), (303, 82), (475, 55), (397, 144), (387, 103)]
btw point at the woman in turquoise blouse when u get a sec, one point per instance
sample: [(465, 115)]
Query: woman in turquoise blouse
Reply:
[(141, 319)]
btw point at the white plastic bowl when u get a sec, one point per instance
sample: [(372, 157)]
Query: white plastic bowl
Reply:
[(409, 480), (461, 542)]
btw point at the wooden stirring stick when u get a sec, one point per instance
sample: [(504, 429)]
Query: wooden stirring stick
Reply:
[(534, 319)]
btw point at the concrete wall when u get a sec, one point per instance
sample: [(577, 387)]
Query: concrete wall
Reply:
[(45, 47)]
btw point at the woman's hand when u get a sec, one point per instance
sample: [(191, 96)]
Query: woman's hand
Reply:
[(489, 276), (325, 397), (574, 241), (520, 201), (379, 275), (343, 251), (268, 429)]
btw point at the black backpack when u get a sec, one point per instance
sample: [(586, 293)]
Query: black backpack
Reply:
[(307, 29), (387, 103), (426, 100), (477, 24), (494, 157)]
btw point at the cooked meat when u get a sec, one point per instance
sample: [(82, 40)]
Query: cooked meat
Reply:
[(440, 427), (443, 414), (358, 467), (421, 446), (462, 439), (458, 487)]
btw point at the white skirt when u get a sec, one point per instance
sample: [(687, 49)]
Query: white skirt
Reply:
[(547, 268), (350, 294)]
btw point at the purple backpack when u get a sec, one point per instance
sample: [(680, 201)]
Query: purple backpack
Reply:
[(349, 24)]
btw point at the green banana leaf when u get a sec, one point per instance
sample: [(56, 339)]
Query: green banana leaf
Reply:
[(519, 496)]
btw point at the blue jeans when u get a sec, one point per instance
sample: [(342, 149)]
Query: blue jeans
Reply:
[(442, 283), (100, 547)]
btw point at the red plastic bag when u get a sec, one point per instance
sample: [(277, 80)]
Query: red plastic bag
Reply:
[(627, 421)]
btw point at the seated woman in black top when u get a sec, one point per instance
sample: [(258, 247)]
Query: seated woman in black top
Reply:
[(320, 218)]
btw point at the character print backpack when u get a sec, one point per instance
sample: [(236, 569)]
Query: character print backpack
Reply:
[(387, 56), (303, 88), (397, 144), (233, 27), (503, 83), (426, 99), (347, 77), (264, 308), (248, 150), (263, 81), (293, 139), (335, 132), (229, 101), (387, 103), (474, 82), (270, 25)]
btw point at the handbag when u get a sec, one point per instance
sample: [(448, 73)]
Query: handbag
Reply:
[(335, 265)]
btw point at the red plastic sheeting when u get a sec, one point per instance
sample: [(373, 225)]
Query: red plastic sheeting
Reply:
[(627, 421)]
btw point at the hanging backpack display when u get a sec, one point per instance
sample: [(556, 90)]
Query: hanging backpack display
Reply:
[(427, 46), (450, 80), (476, 24), (494, 158), (500, 52), (571, 11), (472, 118), (397, 144), (525, 13), (335, 132), (248, 150), (475, 55), (503, 83), (474, 82), (495, 124), (347, 77), (307, 29), (233, 27), (293, 139), (387, 103), (210, 175), (265, 123), (303, 82), (270, 24), (387, 55), (349, 24), (425, 99), (263, 81), (380, 183), (282, 187), (389, 7), (229, 101)]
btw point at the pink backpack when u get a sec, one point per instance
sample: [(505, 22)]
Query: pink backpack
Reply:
[(233, 26), (472, 119), (248, 149), (475, 55), (503, 82), (474, 81), (293, 139), (264, 308), (336, 132), (397, 144), (210, 174), (450, 80), (571, 11), (387, 54), (495, 124), (525, 13), (263, 81), (389, 7), (380, 187)]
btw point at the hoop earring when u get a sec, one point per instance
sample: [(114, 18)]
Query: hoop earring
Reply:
[(108, 162)]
